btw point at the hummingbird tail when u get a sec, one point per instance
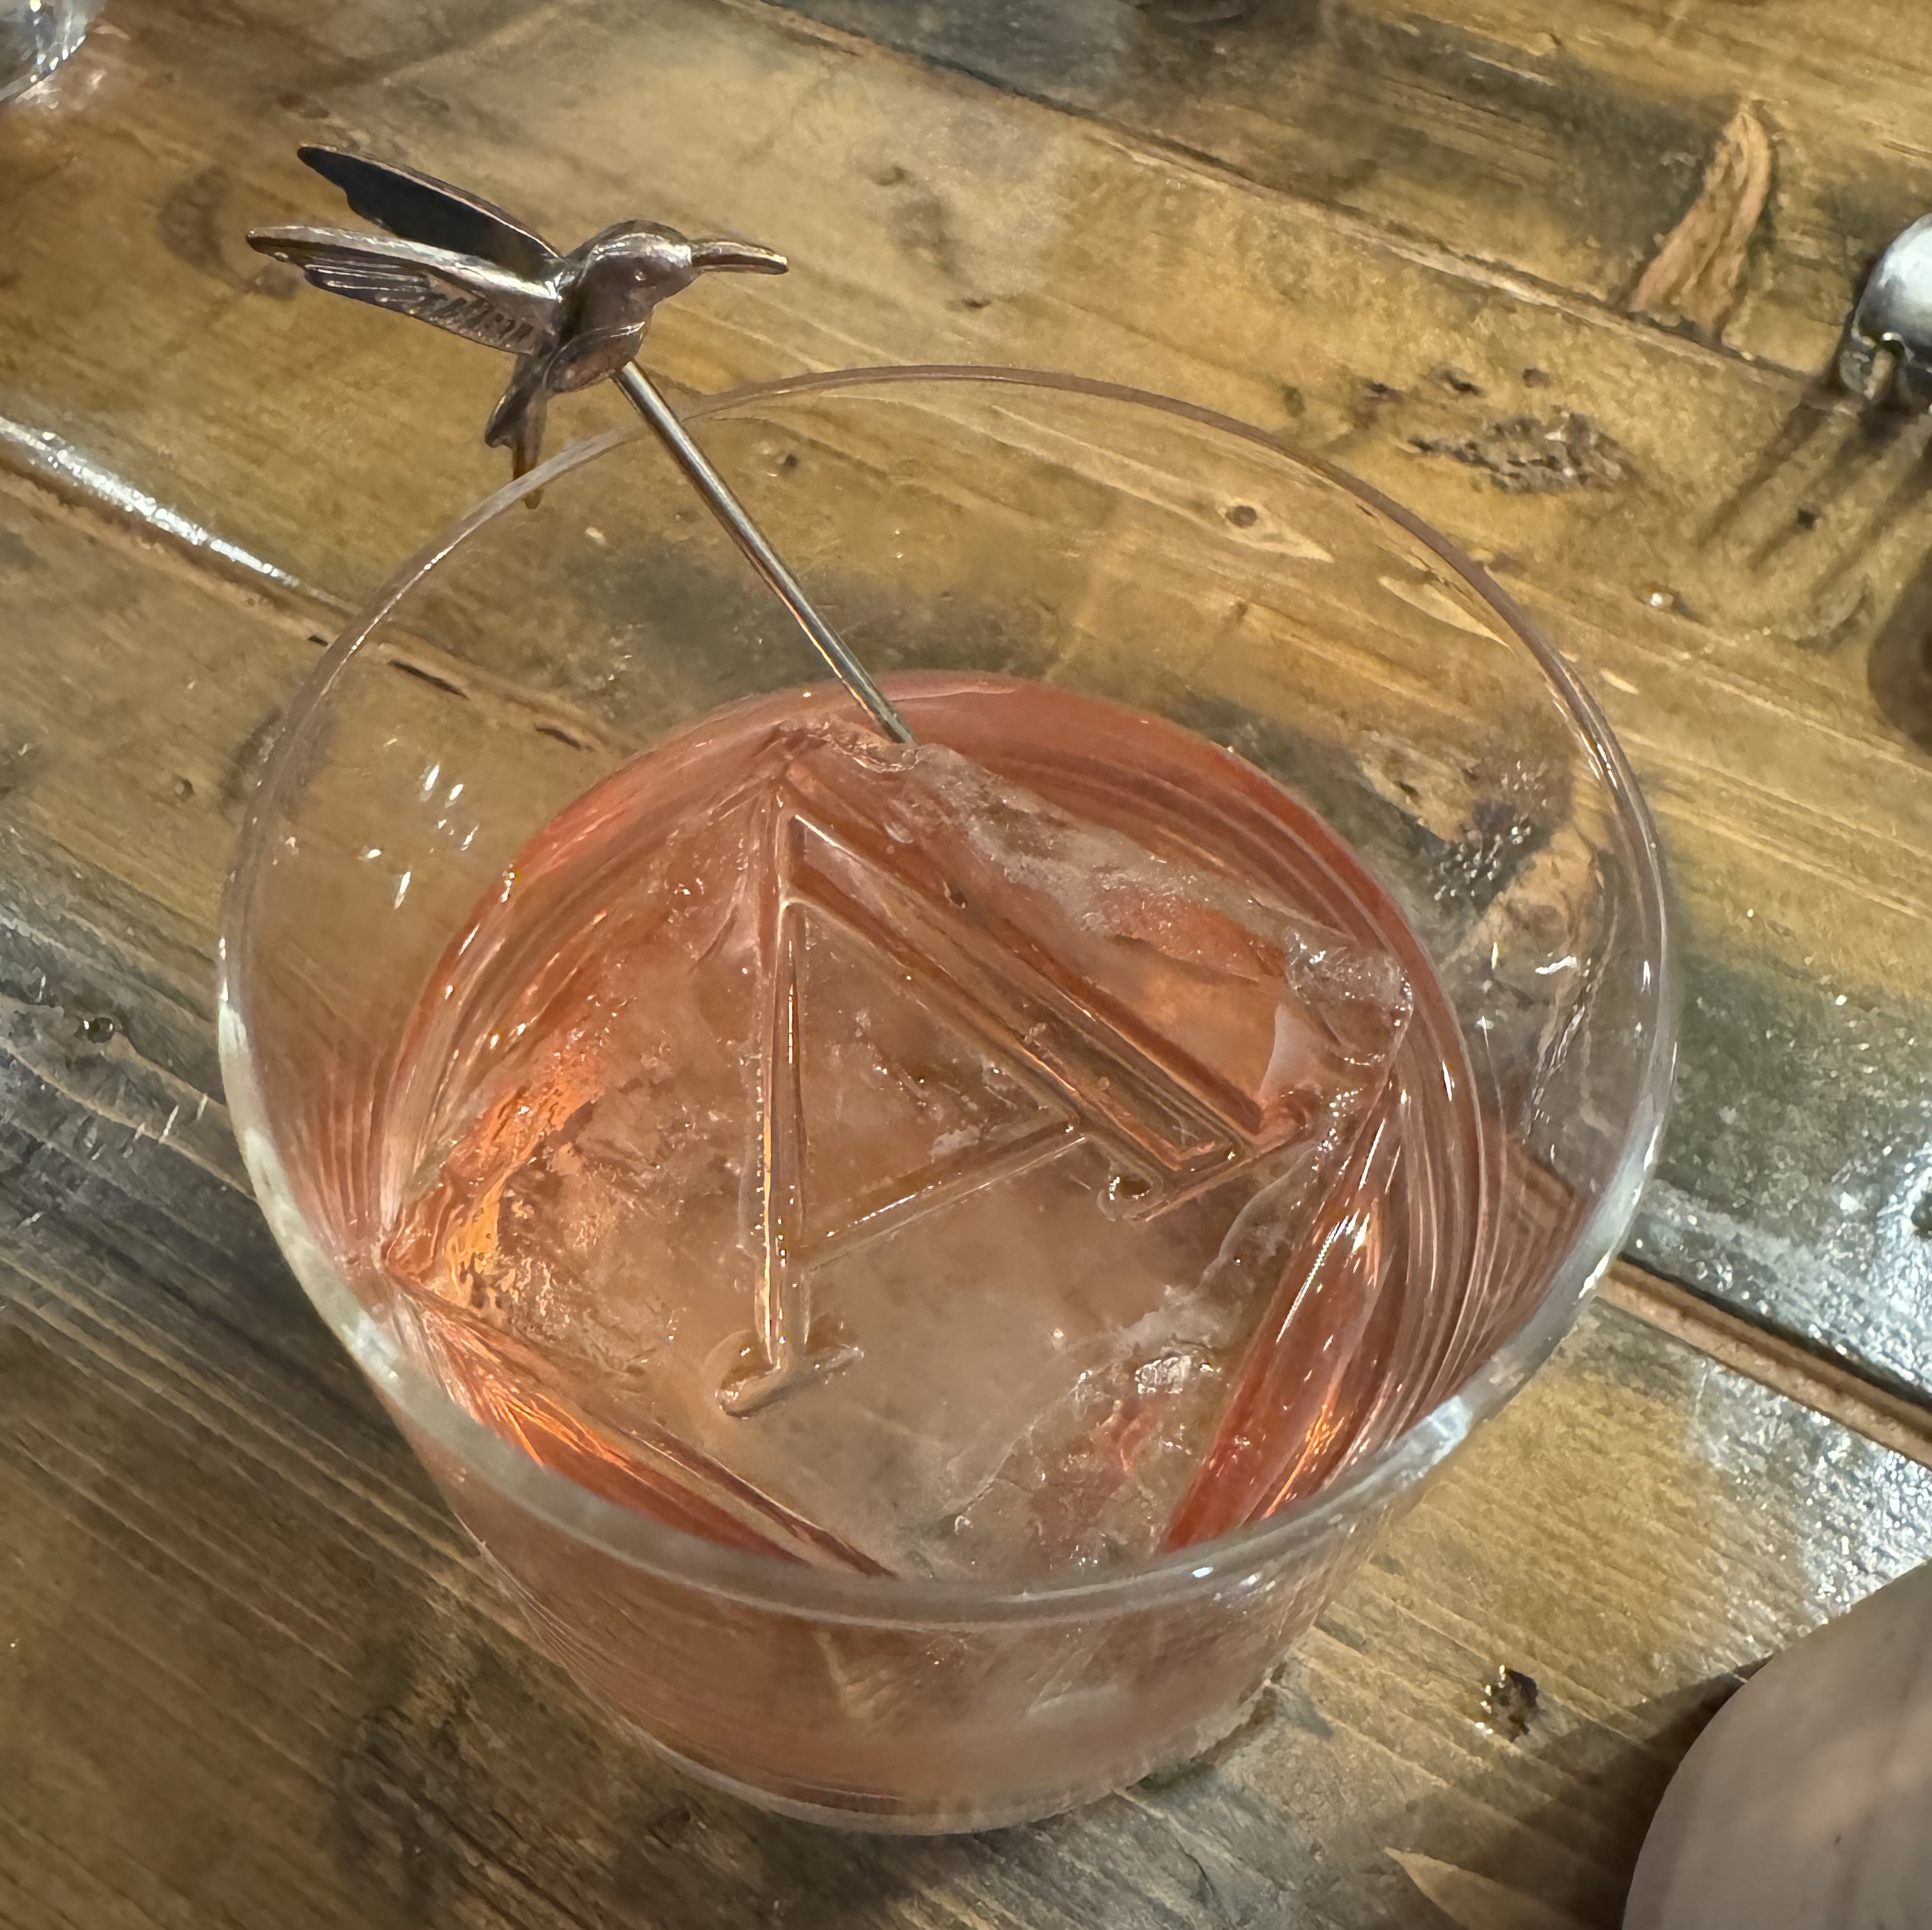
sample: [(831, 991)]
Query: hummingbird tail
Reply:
[(517, 421), (526, 451)]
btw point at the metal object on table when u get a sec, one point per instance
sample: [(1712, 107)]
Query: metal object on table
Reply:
[(570, 320), (1893, 318), (36, 36)]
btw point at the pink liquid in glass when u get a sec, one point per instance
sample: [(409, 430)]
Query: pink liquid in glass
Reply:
[(1016, 1156)]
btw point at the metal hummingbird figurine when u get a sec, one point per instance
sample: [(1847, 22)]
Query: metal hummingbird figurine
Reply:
[(570, 320)]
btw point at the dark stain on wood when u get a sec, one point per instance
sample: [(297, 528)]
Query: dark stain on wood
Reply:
[(1838, 613), (16, 554), (1806, 1104), (20, 764), (1371, 397), (1509, 1702), (1900, 668), (921, 223), (1812, 415), (471, 1777), (1537, 455), (195, 221), (436, 680), (1498, 840)]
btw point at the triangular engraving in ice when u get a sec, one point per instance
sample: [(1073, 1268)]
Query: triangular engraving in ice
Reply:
[(1003, 1137), (1105, 994)]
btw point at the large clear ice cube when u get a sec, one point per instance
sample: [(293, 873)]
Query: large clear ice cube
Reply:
[(900, 1163)]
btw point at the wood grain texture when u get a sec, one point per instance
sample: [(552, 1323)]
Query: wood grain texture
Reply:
[(1736, 561), (257, 1664), (1563, 143), (255, 1674), (254, 1677)]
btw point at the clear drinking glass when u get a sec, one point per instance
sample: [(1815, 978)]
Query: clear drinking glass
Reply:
[(37, 35), (1098, 540)]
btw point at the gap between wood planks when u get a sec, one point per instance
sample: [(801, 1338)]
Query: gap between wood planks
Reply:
[(1699, 249), (1856, 1397), (1860, 1398)]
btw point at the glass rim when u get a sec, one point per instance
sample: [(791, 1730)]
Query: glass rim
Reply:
[(1229, 1561)]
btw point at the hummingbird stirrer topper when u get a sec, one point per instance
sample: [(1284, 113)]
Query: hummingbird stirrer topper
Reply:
[(450, 258)]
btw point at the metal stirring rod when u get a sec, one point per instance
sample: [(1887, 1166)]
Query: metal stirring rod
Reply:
[(464, 265), (644, 397)]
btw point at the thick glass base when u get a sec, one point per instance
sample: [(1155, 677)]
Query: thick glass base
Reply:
[(873, 1815)]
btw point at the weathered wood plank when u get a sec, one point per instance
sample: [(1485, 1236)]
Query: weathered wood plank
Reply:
[(184, 1441), (244, 1687), (930, 219), (1564, 142), (934, 216), (256, 1675), (259, 1677)]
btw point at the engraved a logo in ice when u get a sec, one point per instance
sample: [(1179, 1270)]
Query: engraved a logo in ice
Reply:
[(907, 1171), (1038, 1107)]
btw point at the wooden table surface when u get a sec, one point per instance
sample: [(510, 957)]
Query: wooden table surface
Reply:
[(1563, 274)]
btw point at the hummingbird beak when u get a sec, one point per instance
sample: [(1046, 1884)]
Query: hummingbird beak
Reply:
[(747, 256)]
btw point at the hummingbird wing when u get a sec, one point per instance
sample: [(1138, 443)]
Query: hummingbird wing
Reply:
[(421, 209), (475, 299)]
